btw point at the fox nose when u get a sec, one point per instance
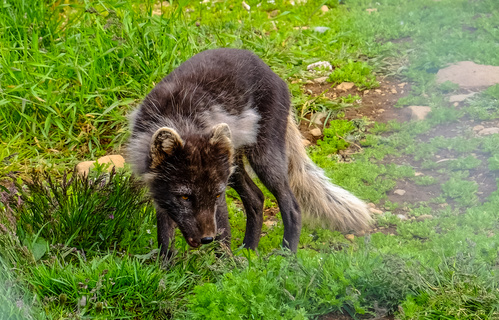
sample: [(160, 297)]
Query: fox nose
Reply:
[(206, 240)]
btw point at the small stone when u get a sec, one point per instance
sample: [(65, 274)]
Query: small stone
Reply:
[(320, 80), (424, 217), (246, 6), (371, 205), (371, 10), (377, 90), (317, 118), (270, 223), (305, 142), (82, 302), (83, 168), (380, 110), (344, 86), (366, 91), (401, 217), (461, 97), (324, 8), (375, 211), (273, 13), (418, 174), (157, 8), (321, 29), (349, 237), (455, 104), (316, 132), (419, 112), (478, 128), (320, 64), (394, 91), (488, 131), (399, 192), (401, 85)]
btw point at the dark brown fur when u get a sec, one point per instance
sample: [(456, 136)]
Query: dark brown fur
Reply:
[(194, 130)]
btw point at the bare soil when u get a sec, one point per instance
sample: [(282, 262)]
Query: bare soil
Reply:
[(378, 105)]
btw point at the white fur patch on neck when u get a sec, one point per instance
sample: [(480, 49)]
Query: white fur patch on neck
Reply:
[(243, 127)]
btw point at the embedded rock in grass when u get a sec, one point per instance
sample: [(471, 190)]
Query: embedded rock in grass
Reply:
[(158, 7), (349, 237), (321, 29), (419, 112), (320, 64), (320, 80), (469, 75), (399, 192), (324, 8), (461, 97), (83, 168), (424, 217), (270, 223), (478, 128), (344, 86), (375, 211), (316, 132), (488, 131), (317, 118)]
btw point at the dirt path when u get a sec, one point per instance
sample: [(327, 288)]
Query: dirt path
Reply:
[(379, 106)]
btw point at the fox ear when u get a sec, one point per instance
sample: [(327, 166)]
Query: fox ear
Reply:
[(220, 134), (163, 143)]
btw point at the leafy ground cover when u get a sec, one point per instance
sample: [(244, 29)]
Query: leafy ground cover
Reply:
[(75, 247)]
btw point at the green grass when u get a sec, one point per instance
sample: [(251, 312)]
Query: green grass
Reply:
[(71, 71)]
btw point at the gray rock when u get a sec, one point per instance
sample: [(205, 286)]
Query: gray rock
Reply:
[(316, 132), (488, 131), (344, 86), (321, 29), (320, 64), (469, 75), (461, 97), (419, 112), (399, 192)]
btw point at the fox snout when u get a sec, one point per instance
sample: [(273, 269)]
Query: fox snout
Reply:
[(205, 230)]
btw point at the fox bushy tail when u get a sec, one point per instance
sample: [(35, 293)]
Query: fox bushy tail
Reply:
[(322, 203)]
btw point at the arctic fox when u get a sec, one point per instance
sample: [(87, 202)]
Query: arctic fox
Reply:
[(191, 136)]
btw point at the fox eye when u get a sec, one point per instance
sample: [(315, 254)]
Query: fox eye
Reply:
[(218, 195), (186, 197)]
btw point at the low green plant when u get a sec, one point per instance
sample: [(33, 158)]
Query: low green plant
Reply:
[(335, 137), (448, 86), (425, 180), (461, 190), (494, 162), (464, 163), (357, 72), (93, 213), (460, 288)]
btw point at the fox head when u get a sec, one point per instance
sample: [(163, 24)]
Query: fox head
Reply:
[(187, 177)]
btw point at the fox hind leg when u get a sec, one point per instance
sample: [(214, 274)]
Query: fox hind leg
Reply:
[(270, 163)]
